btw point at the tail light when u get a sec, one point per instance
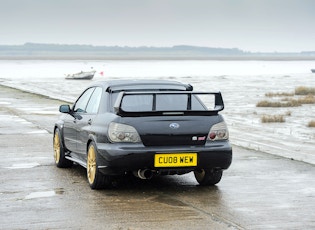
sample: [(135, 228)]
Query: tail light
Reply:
[(122, 133), (218, 131)]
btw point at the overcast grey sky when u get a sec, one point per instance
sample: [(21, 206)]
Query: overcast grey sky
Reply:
[(250, 25)]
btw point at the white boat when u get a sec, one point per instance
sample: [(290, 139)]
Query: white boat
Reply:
[(81, 75)]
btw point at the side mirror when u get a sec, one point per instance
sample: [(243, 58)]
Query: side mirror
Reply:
[(64, 109)]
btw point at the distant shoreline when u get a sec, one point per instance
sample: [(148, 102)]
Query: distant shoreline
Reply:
[(160, 58), (38, 51)]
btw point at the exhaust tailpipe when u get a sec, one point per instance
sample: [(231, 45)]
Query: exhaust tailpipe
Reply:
[(143, 174)]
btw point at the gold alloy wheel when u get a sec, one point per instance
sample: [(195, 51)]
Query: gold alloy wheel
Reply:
[(56, 147), (91, 164)]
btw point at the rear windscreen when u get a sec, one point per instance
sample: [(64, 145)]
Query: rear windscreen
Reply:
[(167, 102)]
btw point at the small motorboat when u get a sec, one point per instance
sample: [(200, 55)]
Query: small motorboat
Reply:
[(81, 75), (313, 70)]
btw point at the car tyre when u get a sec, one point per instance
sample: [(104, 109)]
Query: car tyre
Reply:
[(96, 179), (208, 177), (59, 151)]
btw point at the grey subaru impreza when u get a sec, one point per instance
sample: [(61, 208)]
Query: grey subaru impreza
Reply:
[(145, 128)]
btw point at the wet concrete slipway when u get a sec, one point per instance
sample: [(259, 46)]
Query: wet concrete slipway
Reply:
[(259, 191)]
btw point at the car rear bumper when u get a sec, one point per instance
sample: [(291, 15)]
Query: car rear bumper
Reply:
[(116, 159)]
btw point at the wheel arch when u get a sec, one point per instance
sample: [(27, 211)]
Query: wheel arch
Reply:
[(91, 139)]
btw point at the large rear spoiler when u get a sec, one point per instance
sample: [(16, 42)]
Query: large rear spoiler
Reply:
[(218, 104)]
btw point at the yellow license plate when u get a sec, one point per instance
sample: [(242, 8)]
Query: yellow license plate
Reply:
[(175, 160)]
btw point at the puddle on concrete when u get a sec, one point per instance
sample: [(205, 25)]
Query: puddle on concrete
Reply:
[(44, 194), (4, 103), (34, 195), (42, 131), (24, 165)]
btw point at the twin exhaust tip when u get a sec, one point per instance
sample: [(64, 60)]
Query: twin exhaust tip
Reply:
[(143, 174)]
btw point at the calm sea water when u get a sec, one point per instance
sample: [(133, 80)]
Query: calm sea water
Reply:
[(242, 83)]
